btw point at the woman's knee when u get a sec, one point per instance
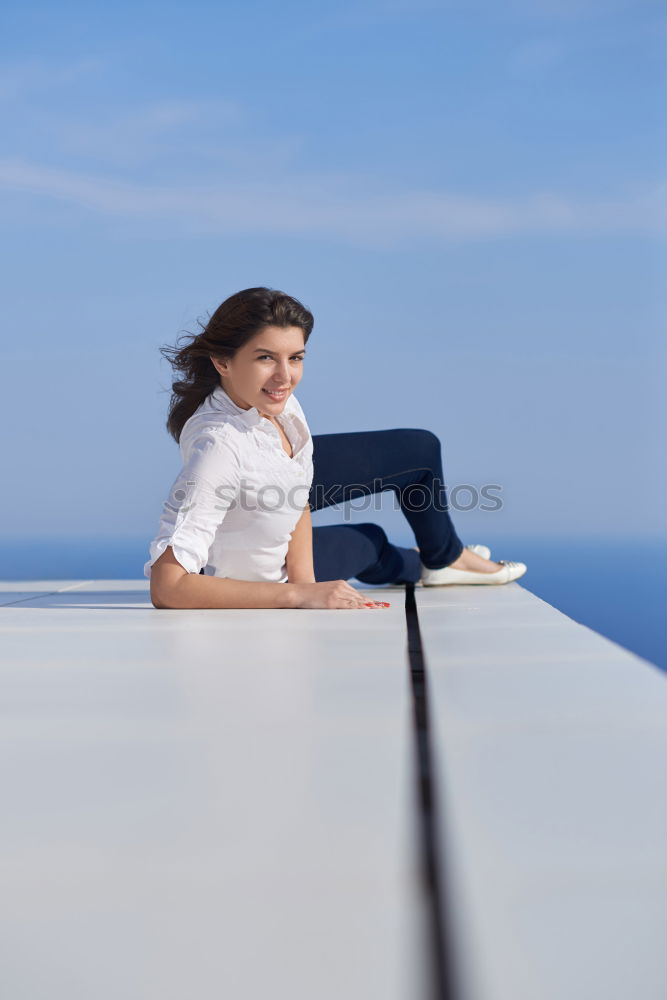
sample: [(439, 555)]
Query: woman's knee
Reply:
[(419, 437), (376, 535), (421, 444), (385, 563)]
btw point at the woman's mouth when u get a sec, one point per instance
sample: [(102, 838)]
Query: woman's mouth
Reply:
[(277, 395)]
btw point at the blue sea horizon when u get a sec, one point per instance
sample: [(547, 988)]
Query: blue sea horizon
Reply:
[(592, 581)]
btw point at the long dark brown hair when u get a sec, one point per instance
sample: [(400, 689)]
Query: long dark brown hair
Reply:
[(233, 323)]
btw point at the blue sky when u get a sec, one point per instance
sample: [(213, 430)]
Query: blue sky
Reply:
[(471, 197)]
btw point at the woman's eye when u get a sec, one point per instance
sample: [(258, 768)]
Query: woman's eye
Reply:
[(263, 356)]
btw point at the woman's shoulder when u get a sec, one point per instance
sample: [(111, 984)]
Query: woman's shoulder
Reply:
[(203, 432), (212, 417)]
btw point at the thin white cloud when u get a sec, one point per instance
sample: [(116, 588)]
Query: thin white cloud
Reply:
[(145, 132), (324, 207), (171, 136), (24, 78)]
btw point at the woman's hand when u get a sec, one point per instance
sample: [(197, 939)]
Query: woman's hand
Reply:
[(332, 594)]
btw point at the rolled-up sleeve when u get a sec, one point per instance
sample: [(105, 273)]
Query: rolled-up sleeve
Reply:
[(202, 493)]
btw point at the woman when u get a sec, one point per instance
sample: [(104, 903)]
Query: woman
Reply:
[(236, 530)]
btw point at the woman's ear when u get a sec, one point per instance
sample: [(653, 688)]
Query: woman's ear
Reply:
[(220, 366)]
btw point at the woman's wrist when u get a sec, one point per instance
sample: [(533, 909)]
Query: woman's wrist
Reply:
[(294, 594)]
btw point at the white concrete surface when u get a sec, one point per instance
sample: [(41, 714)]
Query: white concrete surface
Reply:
[(552, 760), (203, 804), (221, 804)]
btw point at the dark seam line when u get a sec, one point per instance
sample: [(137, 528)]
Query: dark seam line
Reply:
[(36, 597), (443, 981), (24, 600)]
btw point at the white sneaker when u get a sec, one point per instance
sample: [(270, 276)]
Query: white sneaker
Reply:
[(442, 577)]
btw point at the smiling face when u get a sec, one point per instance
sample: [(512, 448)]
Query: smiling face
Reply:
[(265, 370)]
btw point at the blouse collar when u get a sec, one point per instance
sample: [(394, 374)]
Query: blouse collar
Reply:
[(251, 417)]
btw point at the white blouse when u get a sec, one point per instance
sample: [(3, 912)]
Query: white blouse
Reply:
[(237, 499)]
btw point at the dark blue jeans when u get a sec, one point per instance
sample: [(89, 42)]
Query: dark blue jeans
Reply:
[(362, 463)]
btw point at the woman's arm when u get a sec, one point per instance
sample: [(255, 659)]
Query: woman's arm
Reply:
[(172, 587), (300, 551)]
